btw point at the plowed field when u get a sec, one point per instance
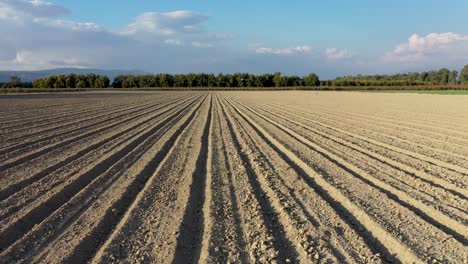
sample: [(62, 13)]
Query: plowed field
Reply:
[(250, 177)]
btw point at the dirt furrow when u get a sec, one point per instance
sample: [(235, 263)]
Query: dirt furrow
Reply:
[(45, 128), (49, 108), (80, 178), (62, 115), (425, 221), (276, 246), (233, 177), (20, 144), (458, 139), (324, 114), (462, 192), (223, 239), (77, 157), (189, 240), (393, 245), (390, 113), (57, 142), (160, 205), (435, 120), (429, 167), (454, 228), (122, 179), (446, 202), (313, 235), (430, 146)]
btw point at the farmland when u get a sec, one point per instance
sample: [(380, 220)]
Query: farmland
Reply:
[(181, 177)]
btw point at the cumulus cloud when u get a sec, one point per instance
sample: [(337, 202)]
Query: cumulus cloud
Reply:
[(284, 51), (147, 42), (336, 54), (18, 9), (432, 46), (37, 34), (67, 24), (175, 42), (201, 44), (30, 60), (170, 23)]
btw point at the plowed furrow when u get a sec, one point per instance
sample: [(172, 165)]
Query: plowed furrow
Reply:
[(456, 210), (454, 228), (44, 128), (434, 119), (302, 225), (456, 138), (160, 205), (394, 246), (277, 241), (76, 159), (77, 135), (417, 210), (70, 131), (189, 240), (326, 114), (96, 230), (79, 181), (392, 118), (429, 146), (380, 159), (60, 116), (116, 173), (223, 232), (22, 115), (233, 177), (29, 197)]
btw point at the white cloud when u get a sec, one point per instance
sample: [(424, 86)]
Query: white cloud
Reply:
[(169, 23), (284, 51), (37, 34), (336, 54), (432, 46), (29, 60), (174, 42), (20, 9), (66, 24), (201, 44), (34, 36)]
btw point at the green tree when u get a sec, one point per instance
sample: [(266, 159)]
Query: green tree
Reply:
[(70, 81), (80, 81), (464, 75), (102, 81), (180, 80), (118, 80), (277, 79), (49, 82), (312, 80), (37, 83), (60, 81), (221, 80), (453, 77), (130, 81)]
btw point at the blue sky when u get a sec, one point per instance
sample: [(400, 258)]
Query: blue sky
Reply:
[(295, 37)]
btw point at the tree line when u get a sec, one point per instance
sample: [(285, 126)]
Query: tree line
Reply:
[(435, 77), (212, 80), (72, 81), (438, 77), (16, 82)]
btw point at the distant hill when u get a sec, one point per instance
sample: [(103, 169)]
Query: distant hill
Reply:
[(27, 76)]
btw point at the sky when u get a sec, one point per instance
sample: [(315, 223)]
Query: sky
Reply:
[(331, 38)]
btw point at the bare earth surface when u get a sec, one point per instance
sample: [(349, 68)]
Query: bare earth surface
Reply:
[(250, 177)]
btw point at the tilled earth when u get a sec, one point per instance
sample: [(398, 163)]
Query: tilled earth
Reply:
[(236, 177)]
